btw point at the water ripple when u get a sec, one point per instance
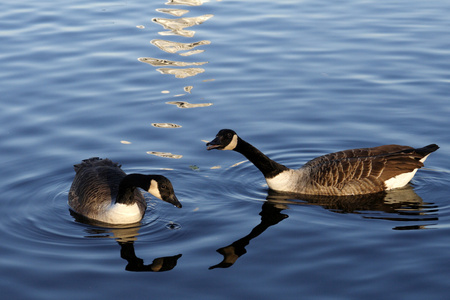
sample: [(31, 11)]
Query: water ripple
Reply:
[(317, 76)]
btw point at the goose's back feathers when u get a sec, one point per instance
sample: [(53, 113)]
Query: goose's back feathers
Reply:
[(95, 187), (95, 162), (96, 179), (357, 153)]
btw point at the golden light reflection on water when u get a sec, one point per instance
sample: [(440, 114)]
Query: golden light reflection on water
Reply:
[(181, 73), (184, 104), (189, 53), (164, 62), (179, 69), (166, 125), (177, 26), (174, 47), (165, 154), (238, 163), (186, 2), (173, 12), (232, 166)]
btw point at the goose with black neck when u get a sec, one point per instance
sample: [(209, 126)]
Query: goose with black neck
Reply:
[(101, 191), (344, 173)]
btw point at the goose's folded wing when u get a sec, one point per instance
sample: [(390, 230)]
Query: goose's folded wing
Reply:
[(337, 172), (358, 153)]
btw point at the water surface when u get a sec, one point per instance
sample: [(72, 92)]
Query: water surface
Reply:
[(145, 84)]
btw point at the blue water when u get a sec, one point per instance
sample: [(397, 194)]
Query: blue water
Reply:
[(297, 79)]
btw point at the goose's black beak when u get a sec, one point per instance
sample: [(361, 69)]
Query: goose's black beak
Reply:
[(174, 201), (214, 144)]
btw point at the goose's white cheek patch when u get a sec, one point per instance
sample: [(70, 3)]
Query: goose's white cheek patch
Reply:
[(154, 190), (232, 144)]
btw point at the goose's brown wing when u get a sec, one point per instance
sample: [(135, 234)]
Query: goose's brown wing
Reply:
[(376, 169), (357, 153), (362, 170), (96, 182)]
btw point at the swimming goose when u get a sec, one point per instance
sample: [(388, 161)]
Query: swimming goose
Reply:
[(101, 191), (349, 172)]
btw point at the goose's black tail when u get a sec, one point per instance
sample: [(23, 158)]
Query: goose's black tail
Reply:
[(427, 149)]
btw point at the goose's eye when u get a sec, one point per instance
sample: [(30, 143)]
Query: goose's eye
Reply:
[(229, 135), (164, 186)]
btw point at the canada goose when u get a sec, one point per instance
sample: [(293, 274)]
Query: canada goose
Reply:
[(349, 172), (101, 191)]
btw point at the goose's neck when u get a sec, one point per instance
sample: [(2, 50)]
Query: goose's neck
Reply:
[(268, 167), (129, 183)]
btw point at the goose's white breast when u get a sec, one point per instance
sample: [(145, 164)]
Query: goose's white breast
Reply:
[(119, 213), (286, 181)]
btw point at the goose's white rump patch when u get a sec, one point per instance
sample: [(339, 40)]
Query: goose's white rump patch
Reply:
[(402, 179), (399, 180)]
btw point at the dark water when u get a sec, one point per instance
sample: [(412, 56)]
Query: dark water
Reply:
[(296, 78)]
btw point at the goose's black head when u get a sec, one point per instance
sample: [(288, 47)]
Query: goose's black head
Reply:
[(226, 139), (162, 188)]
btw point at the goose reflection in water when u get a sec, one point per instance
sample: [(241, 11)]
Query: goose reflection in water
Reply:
[(270, 215), (136, 264), (126, 237), (400, 205)]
